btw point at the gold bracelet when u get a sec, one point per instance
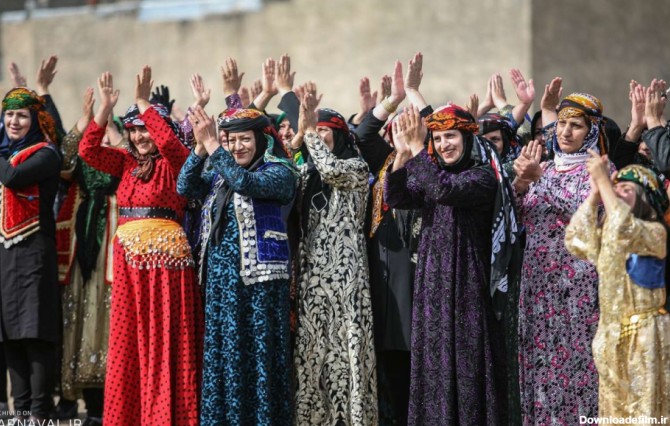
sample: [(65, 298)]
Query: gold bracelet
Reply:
[(388, 106)]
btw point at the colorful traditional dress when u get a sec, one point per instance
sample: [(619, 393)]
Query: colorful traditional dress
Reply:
[(558, 306), (154, 358), (334, 352), (85, 230), (245, 271), (631, 348)]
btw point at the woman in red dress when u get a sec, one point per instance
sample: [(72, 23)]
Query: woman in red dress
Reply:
[(155, 341)]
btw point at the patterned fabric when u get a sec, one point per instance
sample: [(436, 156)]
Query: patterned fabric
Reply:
[(155, 332), (19, 207), (333, 119), (449, 117), (631, 346), (458, 373), (334, 352), (246, 376), (650, 182), (579, 105), (379, 206), (511, 144), (558, 306)]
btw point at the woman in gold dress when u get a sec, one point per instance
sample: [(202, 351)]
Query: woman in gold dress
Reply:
[(631, 348)]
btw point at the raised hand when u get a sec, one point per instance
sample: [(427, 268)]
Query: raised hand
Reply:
[(487, 103), (299, 91), (284, 77), (307, 117), (204, 130), (498, 92), (108, 98), (527, 165), (46, 74), (397, 86), (18, 79), (143, 84), (598, 167), (201, 96), (638, 122), (525, 91), (366, 100), (472, 105), (310, 88), (269, 69), (655, 100), (414, 72), (255, 89), (384, 87), (87, 110), (162, 95), (414, 129), (232, 80), (552, 95)]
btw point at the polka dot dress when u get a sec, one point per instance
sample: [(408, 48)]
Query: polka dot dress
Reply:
[(155, 342)]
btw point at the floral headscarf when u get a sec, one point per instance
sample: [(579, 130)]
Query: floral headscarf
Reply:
[(650, 182)]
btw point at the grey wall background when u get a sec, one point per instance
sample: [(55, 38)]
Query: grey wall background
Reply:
[(597, 46)]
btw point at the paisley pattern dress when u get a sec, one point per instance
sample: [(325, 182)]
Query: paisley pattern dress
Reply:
[(558, 306), (247, 366), (334, 353)]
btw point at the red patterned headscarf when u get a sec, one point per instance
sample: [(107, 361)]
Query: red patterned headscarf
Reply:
[(450, 117)]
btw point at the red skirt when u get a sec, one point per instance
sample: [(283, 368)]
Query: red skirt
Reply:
[(154, 362)]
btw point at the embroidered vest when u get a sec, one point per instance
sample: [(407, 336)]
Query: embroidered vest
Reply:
[(264, 251), (20, 208)]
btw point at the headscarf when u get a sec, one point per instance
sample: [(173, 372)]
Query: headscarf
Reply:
[(492, 122), (317, 193), (269, 149), (453, 117), (479, 153), (42, 127), (589, 107), (651, 184)]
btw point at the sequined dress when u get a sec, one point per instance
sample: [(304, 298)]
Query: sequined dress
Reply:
[(155, 333), (631, 348), (334, 353)]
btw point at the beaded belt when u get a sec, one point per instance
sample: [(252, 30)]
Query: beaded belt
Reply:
[(631, 323), (148, 212)]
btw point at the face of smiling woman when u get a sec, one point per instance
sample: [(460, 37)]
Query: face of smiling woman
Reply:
[(141, 139), (448, 145), (17, 123), (243, 146)]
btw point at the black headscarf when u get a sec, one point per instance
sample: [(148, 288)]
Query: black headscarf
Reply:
[(317, 193)]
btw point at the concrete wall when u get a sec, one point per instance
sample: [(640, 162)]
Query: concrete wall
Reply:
[(332, 43), (598, 46)]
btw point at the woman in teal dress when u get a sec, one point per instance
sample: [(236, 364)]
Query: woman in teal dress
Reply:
[(244, 267)]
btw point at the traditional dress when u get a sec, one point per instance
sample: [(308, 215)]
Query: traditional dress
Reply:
[(30, 311), (154, 358), (85, 229), (245, 271), (631, 348), (558, 306), (334, 352), (458, 373)]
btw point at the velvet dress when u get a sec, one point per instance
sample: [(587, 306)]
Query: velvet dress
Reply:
[(457, 368)]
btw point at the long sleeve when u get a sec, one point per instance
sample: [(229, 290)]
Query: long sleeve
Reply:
[(582, 235), (351, 173), (470, 188), (104, 159), (401, 192), (374, 148), (43, 164), (645, 238), (166, 141), (273, 182), (50, 107), (290, 104), (658, 141), (192, 182)]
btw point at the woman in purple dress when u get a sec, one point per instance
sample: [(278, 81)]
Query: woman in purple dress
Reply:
[(558, 306), (457, 372)]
